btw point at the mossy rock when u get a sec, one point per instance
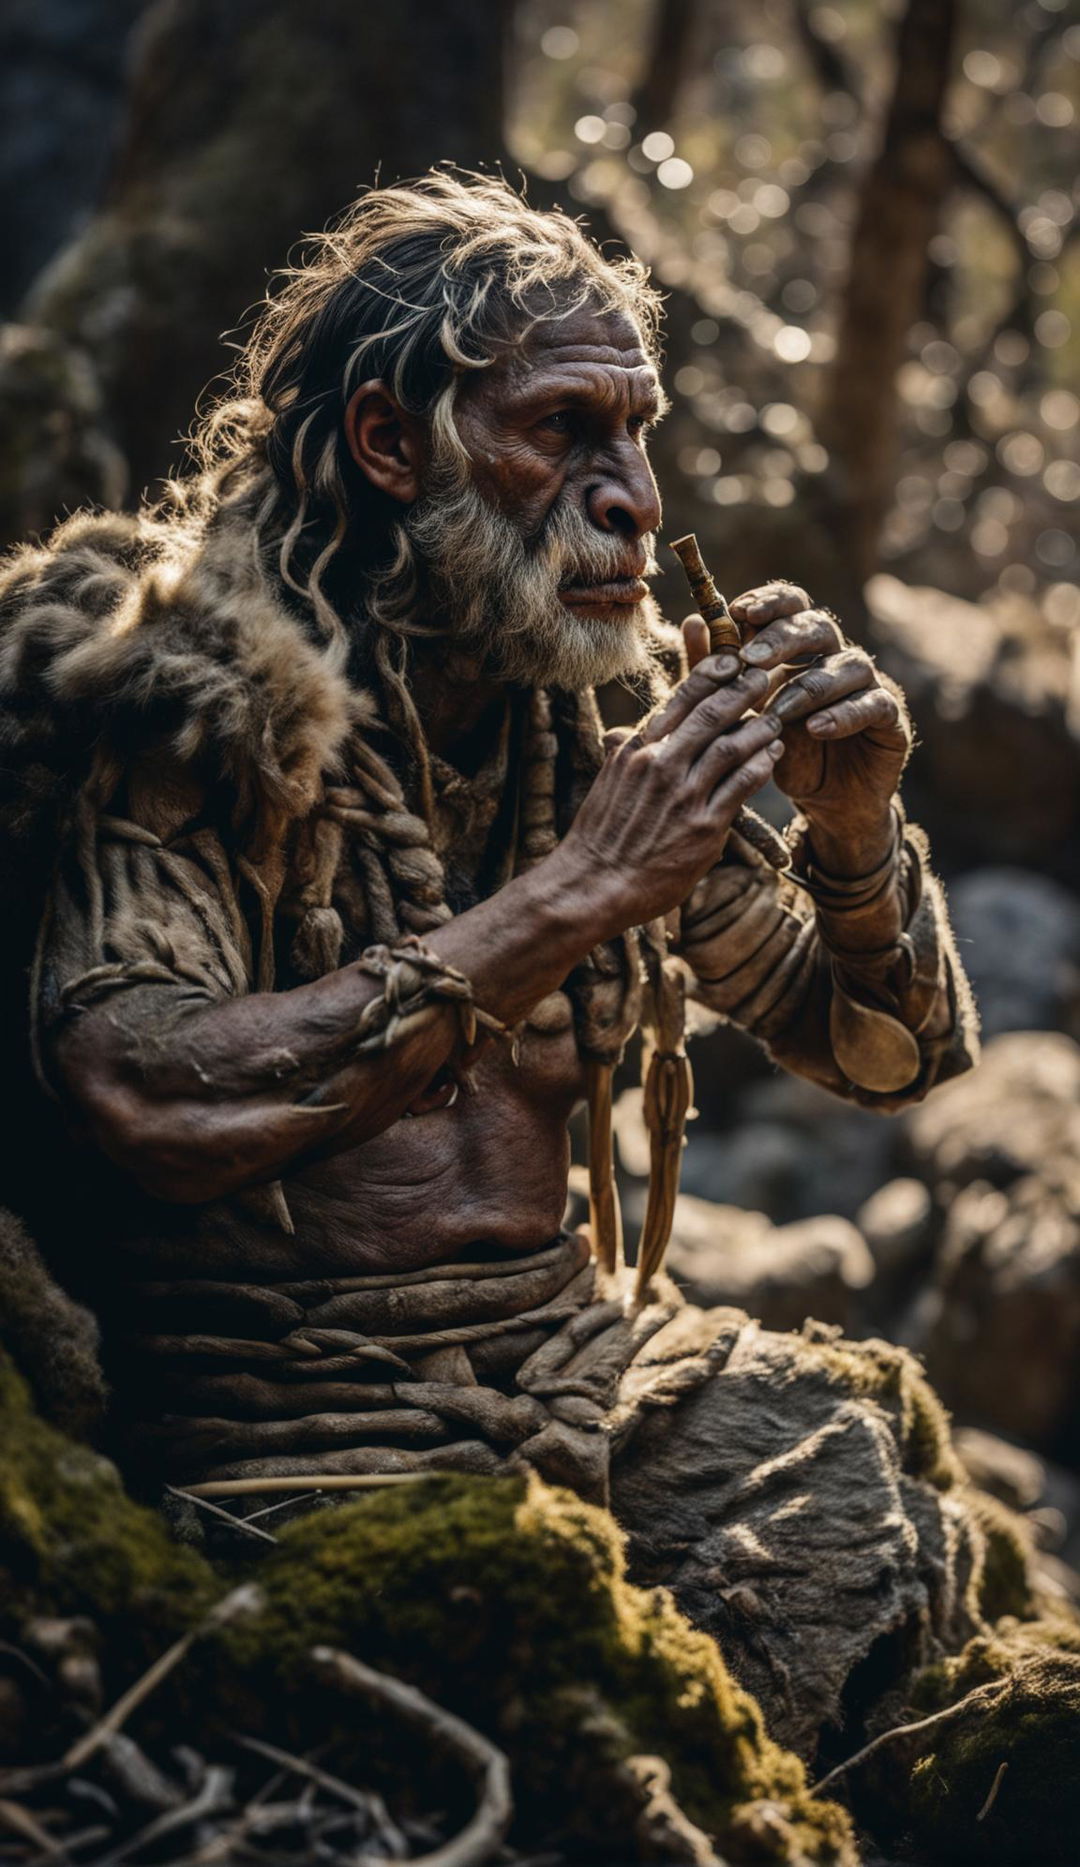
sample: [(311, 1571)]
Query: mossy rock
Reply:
[(507, 1602), (943, 1793), (502, 1599), (878, 1370), (1005, 1583), (73, 1543)]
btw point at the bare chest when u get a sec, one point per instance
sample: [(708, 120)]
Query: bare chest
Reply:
[(488, 1169)]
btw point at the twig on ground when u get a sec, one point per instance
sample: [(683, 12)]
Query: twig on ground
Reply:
[(994, 1787), (301, 1766), (335, 1481), (240, 1600), (22, 1823), (242, 1524), (984, 1695), (215, 1796), (481, 1836)]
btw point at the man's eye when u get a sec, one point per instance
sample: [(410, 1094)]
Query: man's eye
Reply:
[(559, 422), (640, 424)]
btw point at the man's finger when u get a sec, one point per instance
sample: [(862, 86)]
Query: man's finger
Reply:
[(747, 778), (818, 688), (696, 636), (791, 638), (768, 601), (728, 750), (873, 707), (713, 672), (723, 708)]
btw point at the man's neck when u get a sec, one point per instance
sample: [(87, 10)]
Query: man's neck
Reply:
[(461, 708)]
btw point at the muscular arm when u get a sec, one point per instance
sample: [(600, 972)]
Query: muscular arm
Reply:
[(200, 1087), (199, 1095)]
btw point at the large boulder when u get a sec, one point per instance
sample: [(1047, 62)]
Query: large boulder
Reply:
[(1019, 933), (990, 687), (1001, 1149), (781, 1274)]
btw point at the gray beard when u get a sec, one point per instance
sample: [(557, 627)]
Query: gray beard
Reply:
[(499, 593)]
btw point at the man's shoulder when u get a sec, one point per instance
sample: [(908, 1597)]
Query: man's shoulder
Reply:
[(140, 631)]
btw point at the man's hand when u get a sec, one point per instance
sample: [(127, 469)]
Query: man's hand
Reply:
[(846, 735), (660, 809)]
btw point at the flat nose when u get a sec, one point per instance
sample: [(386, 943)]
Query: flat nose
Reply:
[(626, 499)]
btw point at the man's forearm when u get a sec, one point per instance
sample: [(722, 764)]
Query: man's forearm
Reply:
[(201, 1097)]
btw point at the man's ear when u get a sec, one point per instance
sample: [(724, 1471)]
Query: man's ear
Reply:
[(385, 441)]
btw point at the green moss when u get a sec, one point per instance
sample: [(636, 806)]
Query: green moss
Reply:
[(73, 1542), (1004, 1582), (877, 1370), (508, 1602), (503, 1599), (1033, 1728)]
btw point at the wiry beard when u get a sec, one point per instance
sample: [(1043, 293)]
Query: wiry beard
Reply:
[(499, 593)]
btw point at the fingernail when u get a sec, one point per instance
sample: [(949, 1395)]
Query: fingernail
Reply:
[(820, 723), (776, 749), (757, 651)]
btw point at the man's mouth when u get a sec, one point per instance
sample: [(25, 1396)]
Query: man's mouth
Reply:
[(615, 590)]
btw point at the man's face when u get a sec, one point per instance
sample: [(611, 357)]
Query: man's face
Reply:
[(538, 551)]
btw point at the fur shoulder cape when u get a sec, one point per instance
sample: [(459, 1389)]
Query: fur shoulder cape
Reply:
[(125, 635), (126, 638)]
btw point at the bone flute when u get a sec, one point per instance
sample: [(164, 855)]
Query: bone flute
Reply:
[(724, 632)]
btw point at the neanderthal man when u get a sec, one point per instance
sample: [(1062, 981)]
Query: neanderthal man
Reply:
[(345, 902)]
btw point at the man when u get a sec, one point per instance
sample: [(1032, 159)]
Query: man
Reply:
[(344, 917)]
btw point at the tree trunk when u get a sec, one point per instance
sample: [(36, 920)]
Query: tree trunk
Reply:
[(898, 212), (666, 65)]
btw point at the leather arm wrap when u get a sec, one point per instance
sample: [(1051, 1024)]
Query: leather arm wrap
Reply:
[(854, 984)]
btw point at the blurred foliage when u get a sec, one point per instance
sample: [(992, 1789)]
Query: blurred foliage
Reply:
[(745, 194)]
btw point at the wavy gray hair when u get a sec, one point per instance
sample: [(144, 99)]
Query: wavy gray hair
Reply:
[(419, 284)]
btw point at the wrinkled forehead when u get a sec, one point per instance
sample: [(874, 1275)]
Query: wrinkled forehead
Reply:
[(586, 342)]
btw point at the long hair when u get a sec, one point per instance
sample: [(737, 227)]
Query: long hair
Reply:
[(422, 285)]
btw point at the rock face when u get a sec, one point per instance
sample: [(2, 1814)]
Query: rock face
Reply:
[(1020, 936), (780, 1274), (805, 1507), (1001, 1149), (57, 453), (989, 687), (249, 122)]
